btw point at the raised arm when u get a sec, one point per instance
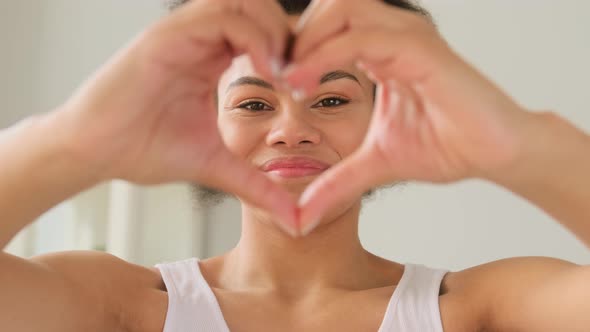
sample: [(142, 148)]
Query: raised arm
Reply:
[(37, 172), (148, 117), (438, 119), (546, 294), (553, 172)]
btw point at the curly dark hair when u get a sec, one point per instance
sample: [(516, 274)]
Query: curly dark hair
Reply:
[(295, 7)]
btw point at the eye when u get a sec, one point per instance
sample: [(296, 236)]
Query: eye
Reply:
[(254, 106), (332, 102)]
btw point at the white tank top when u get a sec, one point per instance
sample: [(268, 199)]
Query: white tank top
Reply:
[(192, 306)]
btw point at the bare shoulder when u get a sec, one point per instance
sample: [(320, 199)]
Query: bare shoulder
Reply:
[(496, 293), (133, 292)]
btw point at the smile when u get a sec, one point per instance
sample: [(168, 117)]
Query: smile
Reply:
[(293, 167)]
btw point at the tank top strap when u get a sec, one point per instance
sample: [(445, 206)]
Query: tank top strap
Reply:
[(192, 306), (414, 304)]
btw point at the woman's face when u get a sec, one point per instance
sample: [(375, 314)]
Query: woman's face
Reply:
[(293, 141)]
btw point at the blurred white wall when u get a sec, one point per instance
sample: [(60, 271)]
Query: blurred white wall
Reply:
[(20, 24), (536, 50)]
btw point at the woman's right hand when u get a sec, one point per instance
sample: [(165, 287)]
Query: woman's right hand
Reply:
[(149, 116)]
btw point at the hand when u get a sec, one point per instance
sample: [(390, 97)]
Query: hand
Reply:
[(149, 116), (436, 118)]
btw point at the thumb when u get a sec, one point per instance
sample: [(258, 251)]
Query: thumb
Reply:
[(341, 184), (236, 176)]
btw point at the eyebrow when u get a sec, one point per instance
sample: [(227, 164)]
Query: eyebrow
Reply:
[(328, 77)]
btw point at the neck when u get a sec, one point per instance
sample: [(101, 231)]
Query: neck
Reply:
[(266, 258)]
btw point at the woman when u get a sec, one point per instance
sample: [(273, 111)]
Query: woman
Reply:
[(300, 163)]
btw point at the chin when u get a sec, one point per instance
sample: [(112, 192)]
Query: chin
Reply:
[(293, 183), (296, 190)]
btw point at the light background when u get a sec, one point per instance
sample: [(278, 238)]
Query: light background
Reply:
[(538, 51)]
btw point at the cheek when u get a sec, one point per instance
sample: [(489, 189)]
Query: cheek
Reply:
[(239, 138), (347, 136)]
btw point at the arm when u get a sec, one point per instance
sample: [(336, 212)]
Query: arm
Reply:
[(37, 172), (539, 293), (62, 292), (69, 291), (438, 119), (529, 294), (553, 172), (145, 117)]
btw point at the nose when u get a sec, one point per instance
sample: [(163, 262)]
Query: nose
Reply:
[(293, 128)]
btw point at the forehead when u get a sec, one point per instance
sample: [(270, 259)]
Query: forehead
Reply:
[(242, 67)]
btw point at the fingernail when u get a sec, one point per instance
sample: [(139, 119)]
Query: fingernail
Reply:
[(276, 67), (288, 222), (304, 198), (285, 86), (298, 94), (292, 232), (307, 229), (288, 229), (289, 68)]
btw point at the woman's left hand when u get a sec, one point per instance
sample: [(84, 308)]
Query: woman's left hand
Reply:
[(436, 118)]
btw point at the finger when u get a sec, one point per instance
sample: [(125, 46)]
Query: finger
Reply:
[(333, 22), (347, 181), (266, 14), (325, 19), (242, 35), (237, 176), (271, 17), (307, 15), (195, 35), (400, 55), (342, 184)]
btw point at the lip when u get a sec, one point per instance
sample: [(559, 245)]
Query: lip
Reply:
[(291, 167)]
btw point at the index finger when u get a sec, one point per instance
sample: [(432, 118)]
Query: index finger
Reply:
[(324, 20), (236, 176), (272, 18), (342, 184)]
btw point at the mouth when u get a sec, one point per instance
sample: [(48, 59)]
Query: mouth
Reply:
[(294, 167)]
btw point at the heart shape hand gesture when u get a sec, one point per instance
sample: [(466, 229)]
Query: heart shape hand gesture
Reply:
[(149, 116)]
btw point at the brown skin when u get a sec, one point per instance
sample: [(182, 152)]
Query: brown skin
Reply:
[(102, 293)]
